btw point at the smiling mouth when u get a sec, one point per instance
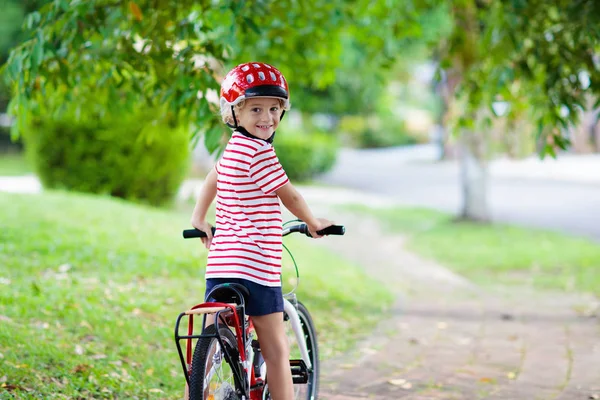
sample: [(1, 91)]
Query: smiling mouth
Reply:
[(264, 126)]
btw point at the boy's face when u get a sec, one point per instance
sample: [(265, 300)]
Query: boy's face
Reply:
[(260, 116)]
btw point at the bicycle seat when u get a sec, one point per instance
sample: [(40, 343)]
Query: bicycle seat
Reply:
[(229, 293)]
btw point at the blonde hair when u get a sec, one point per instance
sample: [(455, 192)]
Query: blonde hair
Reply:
[(227, 116)]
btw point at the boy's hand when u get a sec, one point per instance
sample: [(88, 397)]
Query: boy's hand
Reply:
[(320, 223), (206, 228)]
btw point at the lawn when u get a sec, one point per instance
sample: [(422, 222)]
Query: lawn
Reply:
[(90, 288), (497, 253), (14, 164)]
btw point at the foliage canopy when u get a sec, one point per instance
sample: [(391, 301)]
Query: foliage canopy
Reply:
[(173, 52), (540, 57)]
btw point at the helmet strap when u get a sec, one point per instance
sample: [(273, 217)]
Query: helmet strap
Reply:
[(282, 114), (245, 132), (234, 118)]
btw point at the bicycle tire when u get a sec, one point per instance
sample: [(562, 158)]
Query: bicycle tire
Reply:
[(202, 352), (310, 334)]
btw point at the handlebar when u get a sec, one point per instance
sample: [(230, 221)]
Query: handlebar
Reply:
[(195, 233), (301, 228)]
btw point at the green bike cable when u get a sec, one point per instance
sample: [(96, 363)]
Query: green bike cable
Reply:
[(292, 257), (296, 267), (290, 221)]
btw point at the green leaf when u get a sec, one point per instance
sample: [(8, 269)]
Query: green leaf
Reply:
[(212, 138), (15, 66), (62, 4), (33, 20), (195, 138), (561, 142), (37, 54), (248, 21), (549, 150)]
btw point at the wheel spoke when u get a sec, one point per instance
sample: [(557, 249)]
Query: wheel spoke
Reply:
[(212, 377)]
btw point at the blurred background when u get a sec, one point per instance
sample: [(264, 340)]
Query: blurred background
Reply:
[(470, 128), (381, 107)]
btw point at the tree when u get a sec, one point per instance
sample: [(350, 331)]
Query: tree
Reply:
[(544, 53), (360, 82), (12, 13), (175, 52), (461, 56), (11, 17)]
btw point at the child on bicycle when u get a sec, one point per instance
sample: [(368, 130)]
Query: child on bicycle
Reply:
[(248, 182)]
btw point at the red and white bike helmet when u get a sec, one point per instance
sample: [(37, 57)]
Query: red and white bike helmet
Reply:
[(253, 79)]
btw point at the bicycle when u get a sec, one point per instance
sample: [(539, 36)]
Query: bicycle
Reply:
[(229, 343)]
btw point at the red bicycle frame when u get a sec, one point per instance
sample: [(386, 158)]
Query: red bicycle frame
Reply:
[(254, 387)]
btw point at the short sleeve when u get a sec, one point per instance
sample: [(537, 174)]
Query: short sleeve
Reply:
[(266, 171)]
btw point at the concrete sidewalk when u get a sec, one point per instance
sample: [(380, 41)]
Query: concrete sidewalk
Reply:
[(20, 184), (570, 168)]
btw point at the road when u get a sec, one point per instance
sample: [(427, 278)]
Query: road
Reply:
[(411, 176)]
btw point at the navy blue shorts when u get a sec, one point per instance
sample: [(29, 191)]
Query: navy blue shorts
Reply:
[(263, 299)]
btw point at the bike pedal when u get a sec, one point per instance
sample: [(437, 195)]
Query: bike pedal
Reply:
[(299, 371)]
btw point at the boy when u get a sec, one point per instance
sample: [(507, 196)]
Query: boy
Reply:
[(248, 182)]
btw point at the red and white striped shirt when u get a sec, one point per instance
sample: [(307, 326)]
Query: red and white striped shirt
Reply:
[(247, 242)]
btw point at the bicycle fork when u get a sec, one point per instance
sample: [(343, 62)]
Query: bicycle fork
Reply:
[(292, 313)]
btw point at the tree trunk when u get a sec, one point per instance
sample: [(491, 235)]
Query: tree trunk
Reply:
[(474, 176), (447, 88), (595, 131)]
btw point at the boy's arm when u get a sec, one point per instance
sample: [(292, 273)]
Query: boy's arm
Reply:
[(205, 198), (293, 201)]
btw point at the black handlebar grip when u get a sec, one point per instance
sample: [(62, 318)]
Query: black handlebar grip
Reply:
[(333, 230), (195, 233)]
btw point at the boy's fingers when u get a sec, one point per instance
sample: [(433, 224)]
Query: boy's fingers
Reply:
[(206, 242)]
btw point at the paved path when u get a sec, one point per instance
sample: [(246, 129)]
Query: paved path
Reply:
[(446, 338)]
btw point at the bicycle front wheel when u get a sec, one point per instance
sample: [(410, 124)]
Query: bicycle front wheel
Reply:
[(310, 389), (212, 377)]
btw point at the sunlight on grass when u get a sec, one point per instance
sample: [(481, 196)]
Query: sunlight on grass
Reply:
[(90, 288), (498, 253), (14, 164)]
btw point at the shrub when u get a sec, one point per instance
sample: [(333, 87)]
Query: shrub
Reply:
[(123, 156), (325, 152), (304, 156), (374, 138), (371, 132)]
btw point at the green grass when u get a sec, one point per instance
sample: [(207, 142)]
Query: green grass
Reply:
[(90, 288), (498, 253), (14, 164)]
